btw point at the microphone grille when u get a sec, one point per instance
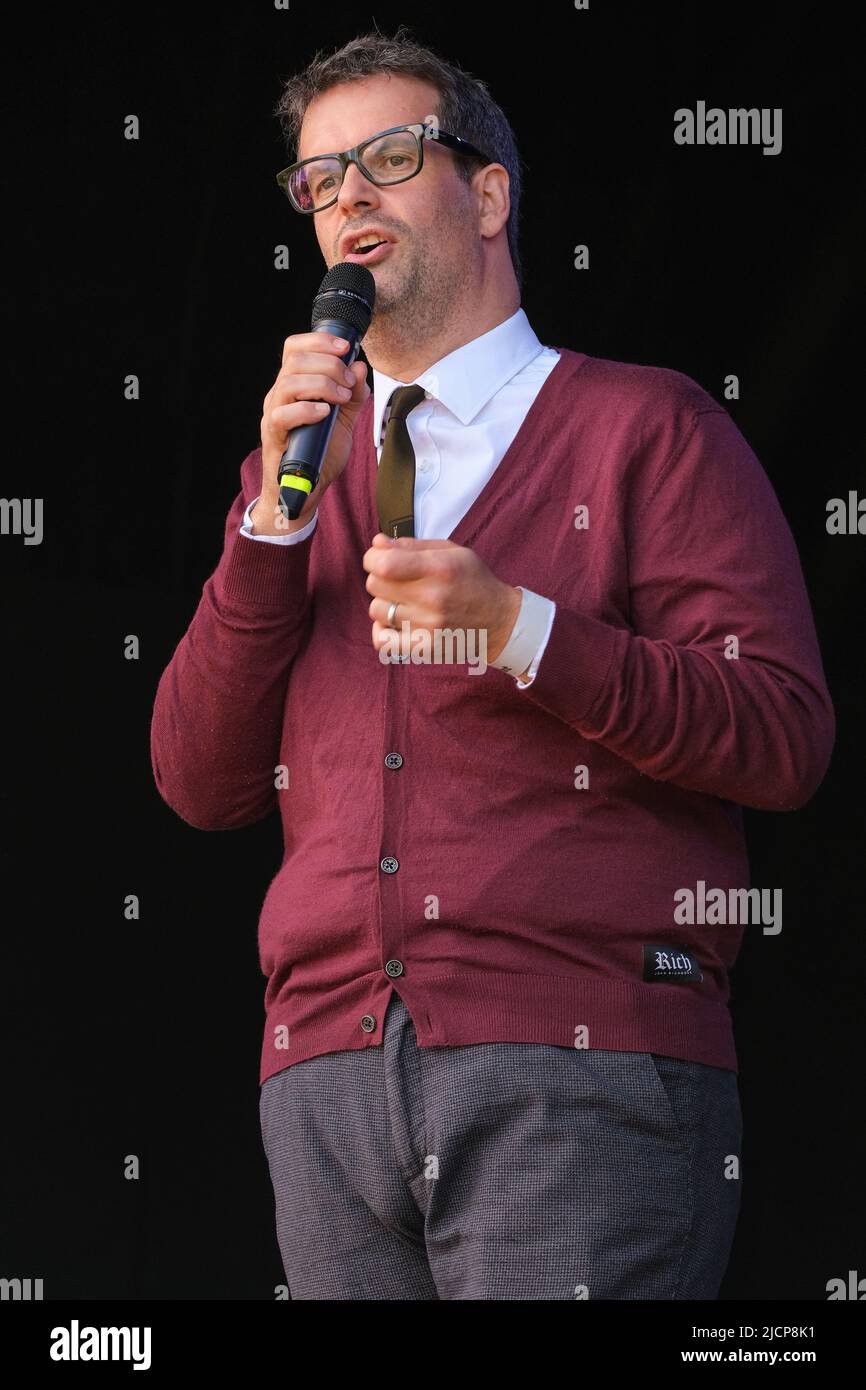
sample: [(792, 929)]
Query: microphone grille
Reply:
[(347, 293)]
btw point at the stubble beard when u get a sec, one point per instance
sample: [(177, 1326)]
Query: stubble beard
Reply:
[(414, 300)]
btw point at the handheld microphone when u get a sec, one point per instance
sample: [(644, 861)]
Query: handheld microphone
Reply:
[(343, 307)]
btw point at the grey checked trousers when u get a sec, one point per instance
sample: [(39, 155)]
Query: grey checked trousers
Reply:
[(501, 1171)]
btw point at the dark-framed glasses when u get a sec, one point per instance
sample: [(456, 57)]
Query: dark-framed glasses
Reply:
[(390, 156)]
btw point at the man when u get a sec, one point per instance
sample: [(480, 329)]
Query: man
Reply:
[(498, 1059)]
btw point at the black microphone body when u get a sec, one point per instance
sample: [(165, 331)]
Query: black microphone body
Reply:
[(343, 308)]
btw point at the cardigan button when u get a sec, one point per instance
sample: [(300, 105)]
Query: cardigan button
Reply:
[(393, 760), (394, 968), (368, 1023), (389, 865)]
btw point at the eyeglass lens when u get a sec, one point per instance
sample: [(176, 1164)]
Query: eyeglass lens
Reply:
[(388, 159)]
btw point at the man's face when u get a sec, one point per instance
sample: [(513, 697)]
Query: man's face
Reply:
[(431, 216)]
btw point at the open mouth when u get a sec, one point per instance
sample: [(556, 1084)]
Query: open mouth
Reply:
[(371, 253)]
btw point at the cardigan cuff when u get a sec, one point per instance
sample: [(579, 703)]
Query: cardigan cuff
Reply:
[(264, 576), (579, 660)]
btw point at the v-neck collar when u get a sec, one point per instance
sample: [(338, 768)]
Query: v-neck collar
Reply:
[(504, 478)]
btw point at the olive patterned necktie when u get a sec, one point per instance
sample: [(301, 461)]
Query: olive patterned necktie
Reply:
[(395, 481)]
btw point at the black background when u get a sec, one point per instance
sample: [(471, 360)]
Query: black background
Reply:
[(155, 257)]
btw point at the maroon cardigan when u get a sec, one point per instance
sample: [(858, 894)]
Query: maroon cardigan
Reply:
[(505, 894)]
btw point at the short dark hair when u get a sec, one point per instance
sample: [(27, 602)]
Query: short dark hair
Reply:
[(466, 106)]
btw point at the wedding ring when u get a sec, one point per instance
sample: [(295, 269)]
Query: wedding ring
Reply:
[(391, 611)]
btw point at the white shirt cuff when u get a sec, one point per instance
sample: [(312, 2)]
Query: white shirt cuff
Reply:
[(292, 539), (525, 647)]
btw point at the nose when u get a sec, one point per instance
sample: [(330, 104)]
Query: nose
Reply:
[(356, 189)]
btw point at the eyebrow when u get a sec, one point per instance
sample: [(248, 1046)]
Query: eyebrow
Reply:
[(318, 155)]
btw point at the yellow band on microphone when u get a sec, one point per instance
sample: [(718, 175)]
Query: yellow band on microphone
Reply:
[(291, 480)]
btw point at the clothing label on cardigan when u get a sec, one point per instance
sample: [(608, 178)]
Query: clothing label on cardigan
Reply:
[(669, 964)]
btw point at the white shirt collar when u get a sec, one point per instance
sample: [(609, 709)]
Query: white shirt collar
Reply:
[(466, 379)]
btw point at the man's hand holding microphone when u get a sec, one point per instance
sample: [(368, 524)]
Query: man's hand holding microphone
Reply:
[(311, 379)]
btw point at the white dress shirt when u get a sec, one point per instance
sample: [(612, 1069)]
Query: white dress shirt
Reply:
[(479, 397)]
